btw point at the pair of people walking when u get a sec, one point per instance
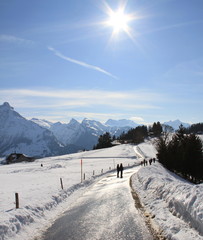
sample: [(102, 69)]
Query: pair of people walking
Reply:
[(120, 170)]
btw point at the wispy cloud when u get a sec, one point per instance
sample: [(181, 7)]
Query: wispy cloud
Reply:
[(61, 105), (14, 39), (83, 64), (80, 99)]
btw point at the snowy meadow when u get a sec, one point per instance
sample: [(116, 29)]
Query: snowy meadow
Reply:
[(175, 206)]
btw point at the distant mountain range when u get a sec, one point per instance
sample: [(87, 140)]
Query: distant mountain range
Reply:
[(83, 135), (176, 124), (40, 138)]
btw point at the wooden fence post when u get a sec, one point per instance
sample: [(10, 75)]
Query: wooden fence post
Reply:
[(17, 200), (84, 176), (81, 169), (61, 183), (93, 172)]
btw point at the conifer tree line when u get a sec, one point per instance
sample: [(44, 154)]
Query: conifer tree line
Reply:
[(195, 128), (182, 153), (134, 135)]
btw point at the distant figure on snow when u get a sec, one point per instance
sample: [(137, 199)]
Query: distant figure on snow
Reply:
[(121, 169), (118, 170)]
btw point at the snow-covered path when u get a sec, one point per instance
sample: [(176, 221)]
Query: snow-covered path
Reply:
[(105, 211)]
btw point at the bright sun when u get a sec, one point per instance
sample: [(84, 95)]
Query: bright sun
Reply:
[(119, 20)]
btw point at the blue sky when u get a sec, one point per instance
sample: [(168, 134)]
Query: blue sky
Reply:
[(60, 60)]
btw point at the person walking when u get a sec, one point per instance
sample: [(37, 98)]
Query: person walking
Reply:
[(118, 170), (121, 169)]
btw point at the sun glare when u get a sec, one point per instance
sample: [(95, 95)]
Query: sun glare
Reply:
[(119, 20)]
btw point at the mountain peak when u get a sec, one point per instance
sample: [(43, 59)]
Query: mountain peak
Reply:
[(73, 123), (86, 120), (73, 120), (6, 105)]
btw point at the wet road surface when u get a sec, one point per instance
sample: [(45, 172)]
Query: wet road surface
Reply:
[(105, 211)]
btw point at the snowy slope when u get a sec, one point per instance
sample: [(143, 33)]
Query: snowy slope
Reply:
[(23, 136), (176, 205), (43, 123)]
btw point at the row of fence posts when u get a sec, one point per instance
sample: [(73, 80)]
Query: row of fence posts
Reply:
[(61, 181)]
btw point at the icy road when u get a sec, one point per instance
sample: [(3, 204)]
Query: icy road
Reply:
[(105, 211)]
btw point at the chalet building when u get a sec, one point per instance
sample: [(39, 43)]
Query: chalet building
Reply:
[(18, 157)]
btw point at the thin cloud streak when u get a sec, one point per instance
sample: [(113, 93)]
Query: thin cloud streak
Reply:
[(14, 39), (61, 105), (83, 64), (139, 95), (82, 98)]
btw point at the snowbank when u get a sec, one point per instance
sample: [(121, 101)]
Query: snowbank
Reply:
[(176, 205)]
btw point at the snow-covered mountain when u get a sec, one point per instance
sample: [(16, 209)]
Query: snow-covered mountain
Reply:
[(24, 136), (176, 124), (121, 123), (67, 133), (84, 135), (41, 138)]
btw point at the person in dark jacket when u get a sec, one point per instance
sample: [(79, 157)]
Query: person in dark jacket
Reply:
[(118, 170), (121, 169)]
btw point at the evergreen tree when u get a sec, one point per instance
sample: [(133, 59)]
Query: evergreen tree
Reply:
[(182, 154), (104, 141), (156, 129)]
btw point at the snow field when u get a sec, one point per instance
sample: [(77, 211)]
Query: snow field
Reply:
[(40, 194), (176, 205)]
